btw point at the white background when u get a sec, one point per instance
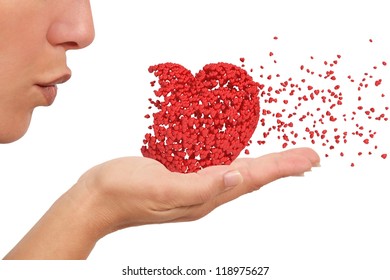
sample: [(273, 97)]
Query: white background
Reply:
[(330, 224)]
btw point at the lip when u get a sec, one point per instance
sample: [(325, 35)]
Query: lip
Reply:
[(49, 89), (49, 92)]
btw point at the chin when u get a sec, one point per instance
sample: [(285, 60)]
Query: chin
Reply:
[(14, 131), (11, 137)]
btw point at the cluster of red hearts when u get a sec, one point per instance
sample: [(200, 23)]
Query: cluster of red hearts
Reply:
[(202, 120)]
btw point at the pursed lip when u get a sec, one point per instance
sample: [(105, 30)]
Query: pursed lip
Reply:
[(60, 80)]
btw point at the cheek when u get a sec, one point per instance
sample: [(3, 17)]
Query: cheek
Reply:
[(23, 39), (22, 33), (16, 100)]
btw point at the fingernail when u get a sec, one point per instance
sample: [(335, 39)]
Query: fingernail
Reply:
[(232, 179), (300, 175), (317, 164)]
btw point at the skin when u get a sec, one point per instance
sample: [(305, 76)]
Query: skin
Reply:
[(35, 36), (120, 193)]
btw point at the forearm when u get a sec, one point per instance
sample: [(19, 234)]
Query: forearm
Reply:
[(66, 231)]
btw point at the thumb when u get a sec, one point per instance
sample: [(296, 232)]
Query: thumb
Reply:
[(198, 188)]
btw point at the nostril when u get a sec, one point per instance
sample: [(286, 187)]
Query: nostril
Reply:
[(71, 45)]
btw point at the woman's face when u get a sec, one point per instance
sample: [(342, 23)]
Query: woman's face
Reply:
[(34, 38)]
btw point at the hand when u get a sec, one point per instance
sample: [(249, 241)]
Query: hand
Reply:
[(135, 191)]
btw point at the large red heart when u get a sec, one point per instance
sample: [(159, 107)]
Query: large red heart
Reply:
[(203, 120)]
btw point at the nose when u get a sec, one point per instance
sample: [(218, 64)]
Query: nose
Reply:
[(73, 26)]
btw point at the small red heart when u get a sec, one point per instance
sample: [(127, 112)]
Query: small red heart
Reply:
[(203, 120)]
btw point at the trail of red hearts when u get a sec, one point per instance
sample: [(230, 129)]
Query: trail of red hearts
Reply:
[(344, 131), (209, 118), (202, 120)]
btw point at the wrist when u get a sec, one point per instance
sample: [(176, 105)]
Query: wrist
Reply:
[(88, 210)]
